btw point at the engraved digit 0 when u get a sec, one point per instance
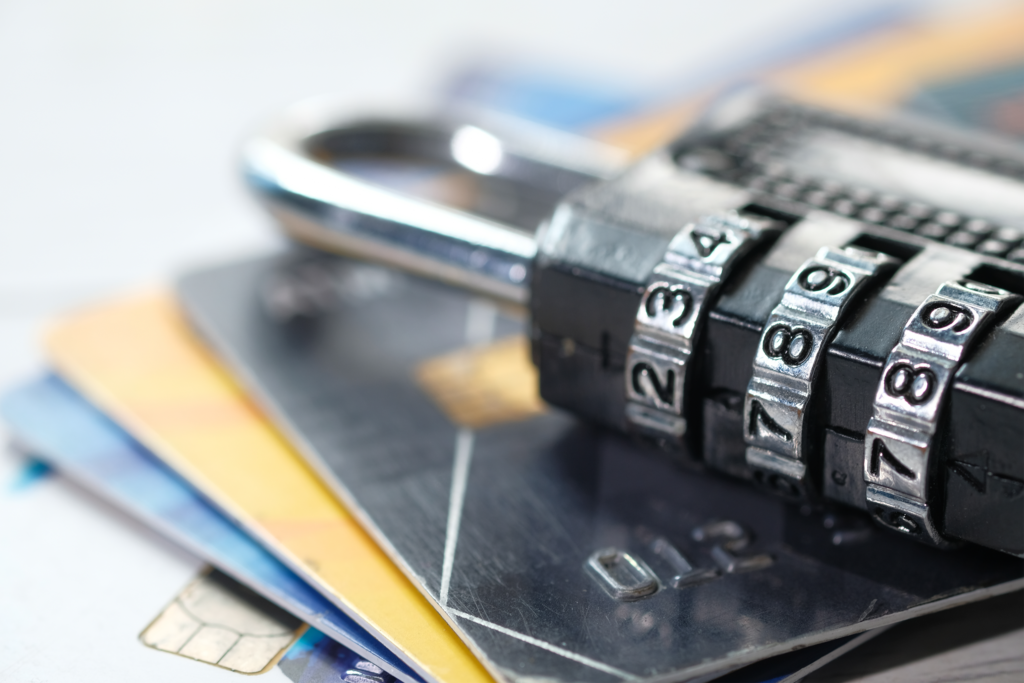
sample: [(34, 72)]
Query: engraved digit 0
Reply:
[(621, 575)]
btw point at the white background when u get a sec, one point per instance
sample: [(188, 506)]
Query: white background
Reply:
[(120, 119)]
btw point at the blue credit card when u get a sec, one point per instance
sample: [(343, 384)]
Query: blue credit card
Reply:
[(318, 659), (991, 99), (66, 431)]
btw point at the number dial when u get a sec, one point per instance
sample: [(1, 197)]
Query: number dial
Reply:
[(788, 360), (655, 378), (667, 306), (668, 310), (912, 384), (668, 321), (788, 343), (907, 413), (915, 385)]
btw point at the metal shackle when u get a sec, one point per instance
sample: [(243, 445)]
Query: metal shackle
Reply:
[(300, 167)]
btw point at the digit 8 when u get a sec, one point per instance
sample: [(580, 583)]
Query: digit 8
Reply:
[(790, 344), (913, 385)]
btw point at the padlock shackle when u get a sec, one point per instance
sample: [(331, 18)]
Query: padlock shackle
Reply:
[(301, 166)]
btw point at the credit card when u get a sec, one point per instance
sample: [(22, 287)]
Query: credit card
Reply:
[(882, 69), (217, 621), (57, 425), (887, 68), (139, 362), (79, 581), (318, 659), (498, 406), (559, 551), (990, 100)]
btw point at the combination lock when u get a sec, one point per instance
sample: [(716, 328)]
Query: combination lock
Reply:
[(825, 305)]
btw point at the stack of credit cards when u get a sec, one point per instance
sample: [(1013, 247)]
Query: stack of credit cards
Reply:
[(381, 494)]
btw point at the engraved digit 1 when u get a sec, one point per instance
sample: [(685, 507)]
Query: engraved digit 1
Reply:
[(735, 538), (686, 573), (621, 575)]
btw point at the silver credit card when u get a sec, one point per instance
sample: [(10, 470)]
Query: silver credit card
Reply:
[(557, 550)]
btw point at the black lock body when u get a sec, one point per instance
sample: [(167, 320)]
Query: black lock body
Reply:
[(790, 180), (596, 253)]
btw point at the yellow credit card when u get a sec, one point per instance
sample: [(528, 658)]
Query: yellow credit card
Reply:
[(138, 360)]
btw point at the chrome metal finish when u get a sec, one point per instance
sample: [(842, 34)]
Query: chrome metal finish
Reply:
[(515, 174), (899, 444), (621, 575), (496, 525), (621, 228), (685, 573), (670, 317), (789, 359)]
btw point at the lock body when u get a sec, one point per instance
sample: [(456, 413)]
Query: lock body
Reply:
[(825, 305), (597, 253)]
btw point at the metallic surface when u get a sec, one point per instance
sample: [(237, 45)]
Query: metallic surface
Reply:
[(596, 259), (301, 167), (621, 228), (912, 174), (497, 526), (671, 316), (789, 358), (898, 448)]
